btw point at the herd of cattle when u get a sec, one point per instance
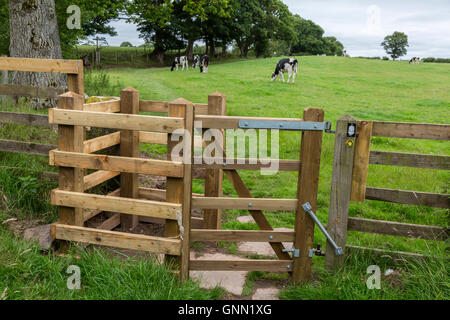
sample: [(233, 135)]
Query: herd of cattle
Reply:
[(289, 65), (184, 63)]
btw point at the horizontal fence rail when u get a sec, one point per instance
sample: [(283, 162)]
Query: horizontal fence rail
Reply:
[(25, 119), (25, 147), (411, 130), (242, 265), (116, 163), (41, 65), (112, 106), (410, 160), (30, 91), (244, 203), (115, 121), (116, 239), (398, 229), (242, 235), (116, 204), (409, 197)]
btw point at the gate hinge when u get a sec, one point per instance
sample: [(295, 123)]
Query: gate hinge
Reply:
[(295, 252)]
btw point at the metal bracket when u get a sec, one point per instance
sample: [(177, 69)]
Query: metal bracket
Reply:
[(308, 209), (285, 125), (295, 252)]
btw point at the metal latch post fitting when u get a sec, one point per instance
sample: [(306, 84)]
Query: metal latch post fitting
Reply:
[(295, 252), (308, 209)]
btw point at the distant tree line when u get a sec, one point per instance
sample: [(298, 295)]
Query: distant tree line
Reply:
[(260, 27)]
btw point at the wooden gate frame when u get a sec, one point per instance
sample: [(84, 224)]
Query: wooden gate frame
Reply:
[(74, 156), (350, 169)]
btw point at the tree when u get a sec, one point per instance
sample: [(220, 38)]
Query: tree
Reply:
[(34, 34), (126, 44), (395, 44)]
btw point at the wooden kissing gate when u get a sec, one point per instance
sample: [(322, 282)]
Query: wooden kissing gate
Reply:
[(131, 204)]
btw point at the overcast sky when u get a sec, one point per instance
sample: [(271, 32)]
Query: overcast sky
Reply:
[(361, 25)]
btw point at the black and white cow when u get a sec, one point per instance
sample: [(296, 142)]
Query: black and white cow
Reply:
[(288, 65), (183, 61), (196, 61), (204, 64), (414, 60)]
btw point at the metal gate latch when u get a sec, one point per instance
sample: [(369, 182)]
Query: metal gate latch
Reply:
[(295, 252), (308, 209), (316, 251)]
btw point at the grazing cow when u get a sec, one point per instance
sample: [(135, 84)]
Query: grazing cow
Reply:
[(196, 61), (204, 64), (414, 60), (289, 65), (183, 61)]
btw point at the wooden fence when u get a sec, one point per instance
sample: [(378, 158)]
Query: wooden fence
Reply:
[(351, 162), (74, 71), (132, 204)]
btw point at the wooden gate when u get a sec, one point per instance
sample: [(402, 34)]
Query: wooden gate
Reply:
[(131, 204)]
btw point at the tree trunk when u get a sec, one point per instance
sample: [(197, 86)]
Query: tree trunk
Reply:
[(190, 49), (212, 49), (34, 34)]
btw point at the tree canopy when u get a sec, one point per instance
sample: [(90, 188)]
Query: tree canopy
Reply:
[(395, 44)]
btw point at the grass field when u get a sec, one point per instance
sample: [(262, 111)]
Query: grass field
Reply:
[(365, 89)]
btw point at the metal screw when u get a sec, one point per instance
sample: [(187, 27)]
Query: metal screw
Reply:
[(250, 204), (271, 237), (246, 124), (288, 266), (224, 164), (281, 125)]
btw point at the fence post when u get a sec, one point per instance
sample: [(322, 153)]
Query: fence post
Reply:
[(178, 190), (308, 185), (75, 82), (129, 147), (214, 177), (4, 81), (341, 185), (71, 138)]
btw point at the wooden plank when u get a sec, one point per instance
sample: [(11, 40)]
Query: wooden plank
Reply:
[(201, 108), (129, 147), (244, 203), (157, 194), (257, 215), (115, 121), (242, 265), (196, 223), (230, 122), (188, 154), (90, 213), (152, 137), (392, 254), (161, 138), (25, 119), (308, 186), (116, 239), (26, 147), (246, 164), (40, 65), (98, 177), (71, 138), (214, 176), (153, 106), (111, 106), (174, 186), (103, 142), (398, 229), (242, 235), (75, 82), (409, 197), (115, 204), (110, 223), (341, 184), (115, 163), (414, 160), (30, 91), (361, 161), (411, 130)]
